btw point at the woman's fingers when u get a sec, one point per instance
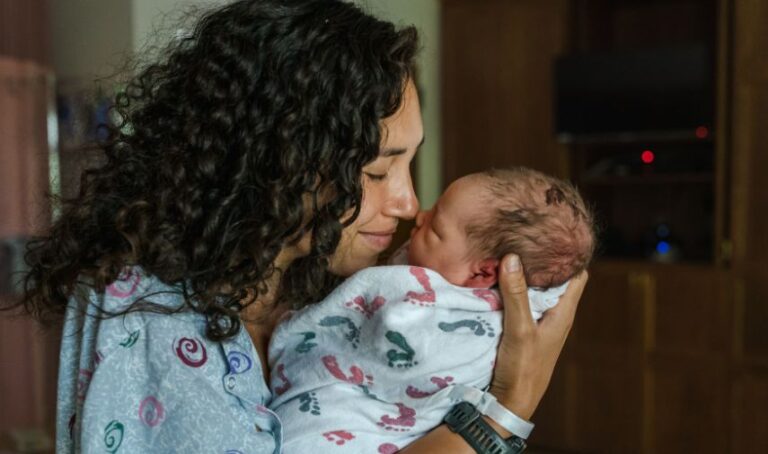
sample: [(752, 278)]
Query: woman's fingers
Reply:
[(528, 351), (514, 293), (563, 314)]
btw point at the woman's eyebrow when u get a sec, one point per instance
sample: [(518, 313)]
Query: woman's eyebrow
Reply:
[(398, 151)]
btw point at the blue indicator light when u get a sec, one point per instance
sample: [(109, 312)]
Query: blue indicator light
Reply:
[(662, 247)]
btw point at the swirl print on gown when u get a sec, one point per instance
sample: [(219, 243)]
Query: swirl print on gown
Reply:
[(148, 382)]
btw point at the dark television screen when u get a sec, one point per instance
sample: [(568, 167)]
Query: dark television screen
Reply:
[(661, 92)]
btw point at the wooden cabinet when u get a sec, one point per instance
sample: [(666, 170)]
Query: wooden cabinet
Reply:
[(647, 368), (750, 412), (663, 358)]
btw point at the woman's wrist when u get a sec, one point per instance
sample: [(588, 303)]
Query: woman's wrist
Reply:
[(498, 428), (520, 401)]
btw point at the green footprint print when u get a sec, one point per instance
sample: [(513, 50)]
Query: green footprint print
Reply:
[(305, 344), (353, 335), (308, 403), (403, 358), (479, 327)]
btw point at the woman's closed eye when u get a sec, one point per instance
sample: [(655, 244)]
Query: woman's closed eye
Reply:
[(376, 176)]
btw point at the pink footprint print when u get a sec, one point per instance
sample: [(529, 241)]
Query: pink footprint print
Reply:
[(339, 436), (489, 296), (441, 383), (402, 423), (365, 308), (427, 297), (281, 376), (388, 448), (356, 377)]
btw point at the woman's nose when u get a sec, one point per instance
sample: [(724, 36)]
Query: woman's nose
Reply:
[(405, 204)]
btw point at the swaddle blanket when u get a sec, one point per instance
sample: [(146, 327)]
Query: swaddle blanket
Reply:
[(369, 369)]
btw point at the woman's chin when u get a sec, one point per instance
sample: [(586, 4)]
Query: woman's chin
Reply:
[(351, 265)]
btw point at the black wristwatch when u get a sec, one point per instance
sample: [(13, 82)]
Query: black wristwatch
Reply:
[(465, 420)]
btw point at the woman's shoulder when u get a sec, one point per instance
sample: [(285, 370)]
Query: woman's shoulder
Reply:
[(135, 303), (157, 368)]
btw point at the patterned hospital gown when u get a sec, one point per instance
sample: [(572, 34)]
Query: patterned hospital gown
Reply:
[(148, 382)]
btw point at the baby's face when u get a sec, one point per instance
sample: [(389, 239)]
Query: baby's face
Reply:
[(439, 240)]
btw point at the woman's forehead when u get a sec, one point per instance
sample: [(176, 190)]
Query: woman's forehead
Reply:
[(404, 128)]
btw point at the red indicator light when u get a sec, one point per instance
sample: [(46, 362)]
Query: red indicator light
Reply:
[(702, 132), (647, 156)]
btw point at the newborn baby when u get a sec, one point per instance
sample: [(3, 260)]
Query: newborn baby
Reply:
[(371, 367)]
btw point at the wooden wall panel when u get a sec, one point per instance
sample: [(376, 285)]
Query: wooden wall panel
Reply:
[(750, 223), (604, 407), (751, 337), (750, 142), (751, 414), (693, 311), (690, 403), (550, 417), (497, 102), (611, 311)]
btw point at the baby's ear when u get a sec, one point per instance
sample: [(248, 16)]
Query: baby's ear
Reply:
[(485, 273)]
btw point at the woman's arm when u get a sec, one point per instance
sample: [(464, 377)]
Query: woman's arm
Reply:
[(526, 358)]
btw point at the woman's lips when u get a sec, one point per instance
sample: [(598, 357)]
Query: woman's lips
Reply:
[(379, 241)]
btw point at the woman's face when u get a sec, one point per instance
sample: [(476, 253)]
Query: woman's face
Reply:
[(388, 194)]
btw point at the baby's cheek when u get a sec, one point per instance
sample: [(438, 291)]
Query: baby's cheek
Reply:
[(414, 251)]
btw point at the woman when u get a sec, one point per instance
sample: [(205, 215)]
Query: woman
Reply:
[(264, 158)]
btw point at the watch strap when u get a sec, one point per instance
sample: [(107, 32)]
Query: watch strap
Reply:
[(465, 420), (487, 405)]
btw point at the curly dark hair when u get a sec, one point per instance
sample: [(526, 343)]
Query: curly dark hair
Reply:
[(226, 152)]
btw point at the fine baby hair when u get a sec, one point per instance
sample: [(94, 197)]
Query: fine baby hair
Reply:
[(540, 218)]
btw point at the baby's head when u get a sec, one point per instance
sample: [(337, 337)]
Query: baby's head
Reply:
[(482, 217)]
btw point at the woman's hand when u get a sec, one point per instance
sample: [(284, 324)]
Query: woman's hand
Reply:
[(526, 357), (528, 351)]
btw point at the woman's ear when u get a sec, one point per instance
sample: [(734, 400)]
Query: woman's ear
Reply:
[(484, 273)]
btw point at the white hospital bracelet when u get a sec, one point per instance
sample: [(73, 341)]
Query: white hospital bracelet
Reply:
[(487, 404)]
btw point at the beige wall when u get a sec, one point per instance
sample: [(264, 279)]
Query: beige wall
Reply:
[(92, 38), (153, 15), (89, 37), (425, 15)]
